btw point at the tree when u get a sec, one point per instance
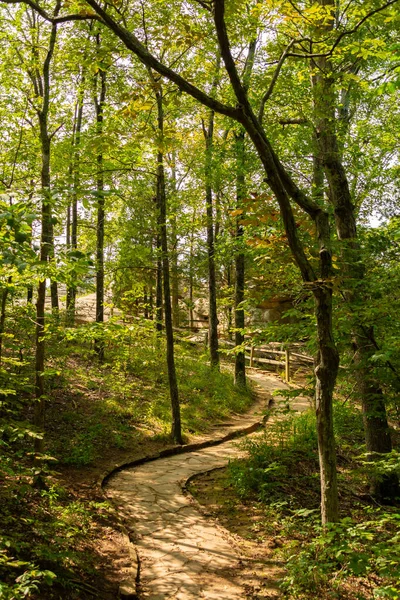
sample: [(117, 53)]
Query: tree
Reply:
[(301, 204), (176, 429), (212, 288), (99, 103), (284, 189)]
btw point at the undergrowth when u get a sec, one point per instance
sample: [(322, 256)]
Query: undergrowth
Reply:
[(356, 558), (94, 412), (95, 408)]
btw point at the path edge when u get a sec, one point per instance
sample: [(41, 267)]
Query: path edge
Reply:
[(129, 587)]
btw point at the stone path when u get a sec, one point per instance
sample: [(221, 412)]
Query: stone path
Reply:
[(182, 555)]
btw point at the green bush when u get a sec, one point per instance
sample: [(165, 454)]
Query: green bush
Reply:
[(346, 549), (289, 440)]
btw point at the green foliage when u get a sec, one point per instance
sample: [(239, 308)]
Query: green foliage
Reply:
[(281, 473), (290, 439), (346, 549), (51, 526), (129, 391)]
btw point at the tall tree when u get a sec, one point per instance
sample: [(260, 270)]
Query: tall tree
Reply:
[(240, 358), (176, 428), (72, 209), (377, 433), (99, 104), (212, 284), (42, 87)]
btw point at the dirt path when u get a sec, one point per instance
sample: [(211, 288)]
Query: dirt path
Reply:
[(182, 555)]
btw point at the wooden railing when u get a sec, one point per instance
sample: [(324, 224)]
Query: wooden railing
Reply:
[(289, 357)]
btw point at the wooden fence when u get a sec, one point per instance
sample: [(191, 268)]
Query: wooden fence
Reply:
[(289, 358)]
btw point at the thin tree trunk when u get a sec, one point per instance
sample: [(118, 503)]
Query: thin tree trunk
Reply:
[(4, 297), (229, 284), (176, 428), (145, 303), (45, 240), (29, 291), (151, 303), (39, 413), (212, 287), (174, 251), (100, 98), (240, 357), (159, 274), (55, 305), (191, 275), (240, 360), (68, 227), (73, 209)]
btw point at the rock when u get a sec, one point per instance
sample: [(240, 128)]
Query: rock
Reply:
[(127, 590)]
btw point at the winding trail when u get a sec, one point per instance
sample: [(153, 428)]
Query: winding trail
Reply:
[(181, 554)]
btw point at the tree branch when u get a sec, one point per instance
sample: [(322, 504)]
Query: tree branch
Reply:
[(343, 34), (274, 79), (219, 19), (133, 44), (249, 64), (55, 19)]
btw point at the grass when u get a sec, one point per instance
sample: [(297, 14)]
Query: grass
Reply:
[(56, 535), (101, 408)]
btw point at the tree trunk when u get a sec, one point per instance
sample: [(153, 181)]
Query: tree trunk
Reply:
[(4, 297), (73, 245), (100, 98), (377, 434), (151, 303), (159, 273), (176, 428), (281, 185), (326, 373), (212, 288), (146, 303), (45, 239), (55, 305), (229, 284), (191, 275), (174, 252), (240, 359)]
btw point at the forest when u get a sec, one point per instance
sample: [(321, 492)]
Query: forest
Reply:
[(199, 241)]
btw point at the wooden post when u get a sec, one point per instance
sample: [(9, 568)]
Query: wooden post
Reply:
[(251, 356), (287, 365)]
